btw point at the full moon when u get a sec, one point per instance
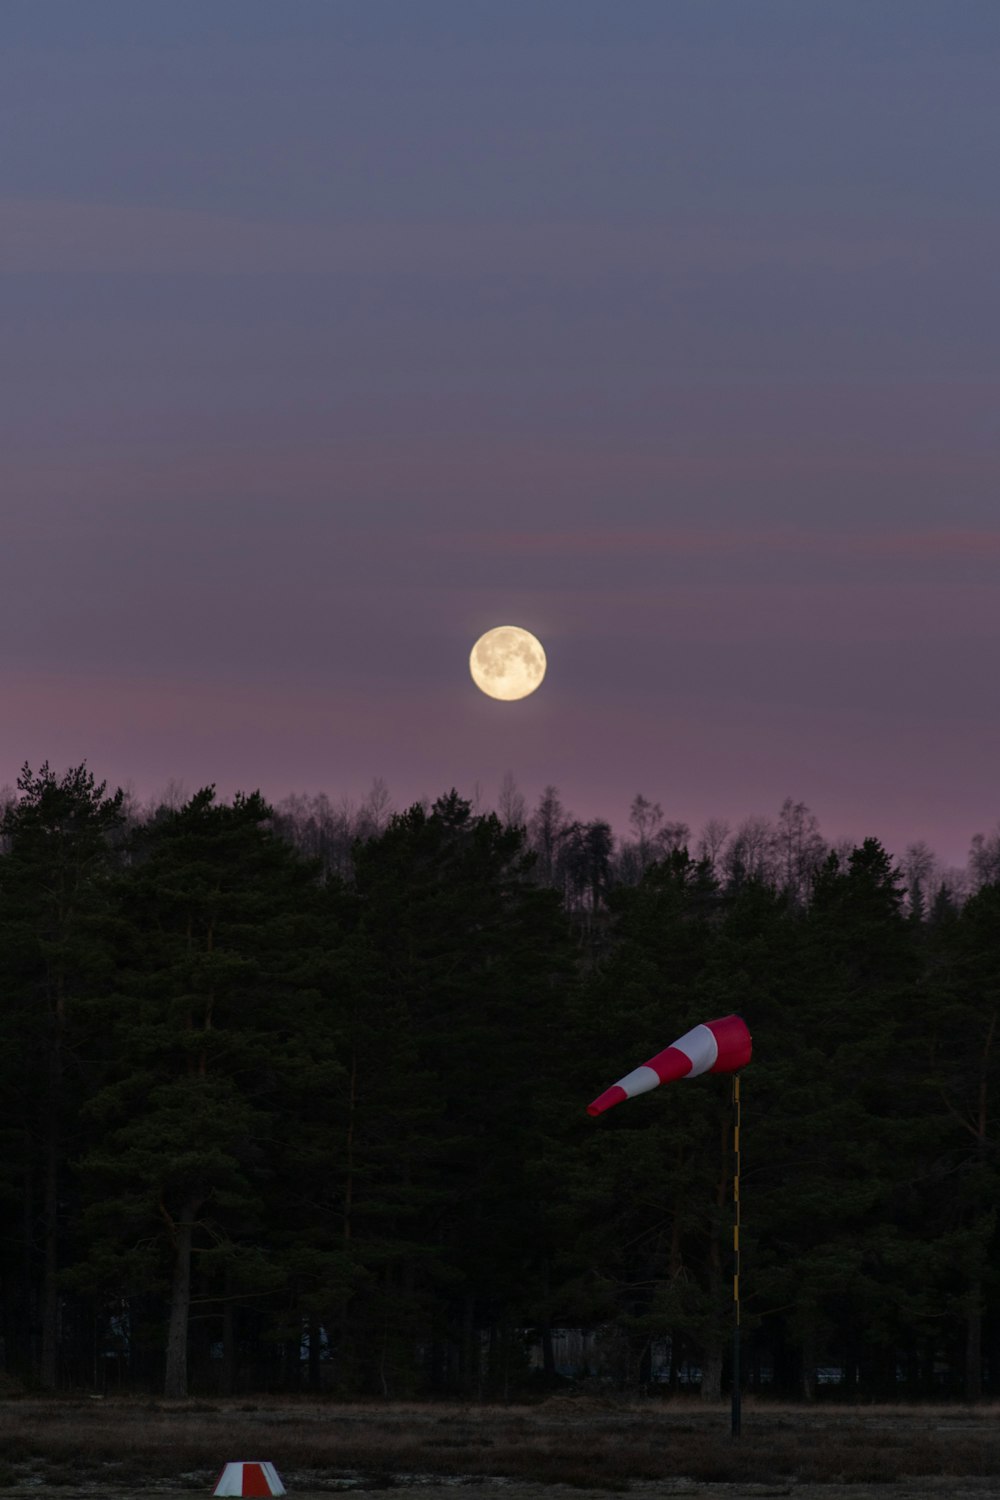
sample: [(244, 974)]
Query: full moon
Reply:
[(507, 662)]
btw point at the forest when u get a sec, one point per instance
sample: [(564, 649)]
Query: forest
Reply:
[(294, 1098)]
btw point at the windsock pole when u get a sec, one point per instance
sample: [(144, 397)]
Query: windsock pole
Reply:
[(736, 1409)]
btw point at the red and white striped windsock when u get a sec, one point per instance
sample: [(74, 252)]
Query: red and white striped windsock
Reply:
[(721, 1046), (255, 1479)]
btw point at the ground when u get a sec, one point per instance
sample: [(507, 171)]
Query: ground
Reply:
[(567, 1448)]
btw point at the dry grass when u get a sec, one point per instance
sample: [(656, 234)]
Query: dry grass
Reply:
[(589, 1444)]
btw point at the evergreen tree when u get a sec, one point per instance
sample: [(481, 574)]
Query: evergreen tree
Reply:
[(56, 927), (474, 956), (833, 1167), (210, 1031), (957, 1074)]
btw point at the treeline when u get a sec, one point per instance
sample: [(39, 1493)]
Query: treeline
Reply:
[(584, 859), (282, 1109)]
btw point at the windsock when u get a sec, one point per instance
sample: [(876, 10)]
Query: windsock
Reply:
[(721, 1046), (249, 1479)]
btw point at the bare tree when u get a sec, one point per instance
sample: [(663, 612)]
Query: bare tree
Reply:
[(750, 854), (319, 830), (8, 801), (712, 841), (670, 837), (950, 884), (654, 840), (511, 805), (919, 866), (627, 867), (547, 827), (375, 811), (172, 798), (133, 810), (842, 849), (799, 848), (984, 859), (645, 818)]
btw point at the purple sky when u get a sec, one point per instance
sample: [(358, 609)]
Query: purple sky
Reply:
[(337, 331)]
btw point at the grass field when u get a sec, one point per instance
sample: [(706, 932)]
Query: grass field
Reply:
[(117, 1449)]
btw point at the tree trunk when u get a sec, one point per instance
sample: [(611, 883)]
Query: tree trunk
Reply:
[(27, 1324), (349, 1151), (314, 1374), (506, 1358), (227, 1374), (809, 1368), (470, 1349), (711, 1370), (974, 1344), (974, 1316), (49, 1364), (175, 1380), (49, 1361), (548, 1350)]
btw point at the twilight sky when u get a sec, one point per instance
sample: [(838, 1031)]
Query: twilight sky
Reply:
[(334, 332)]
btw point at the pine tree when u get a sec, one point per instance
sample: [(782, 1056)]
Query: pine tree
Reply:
[(834, 1154), (209, 1032), (55, 959), (958, 1053), (474, 957)]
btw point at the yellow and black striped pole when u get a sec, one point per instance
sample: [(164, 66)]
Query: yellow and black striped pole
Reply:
[(736, 1255)]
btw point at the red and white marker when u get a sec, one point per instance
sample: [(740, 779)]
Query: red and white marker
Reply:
[(249, 1479), (722, 1046)]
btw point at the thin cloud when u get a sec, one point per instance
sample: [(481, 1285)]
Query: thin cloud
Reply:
[(61, 235), (930, 543)]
